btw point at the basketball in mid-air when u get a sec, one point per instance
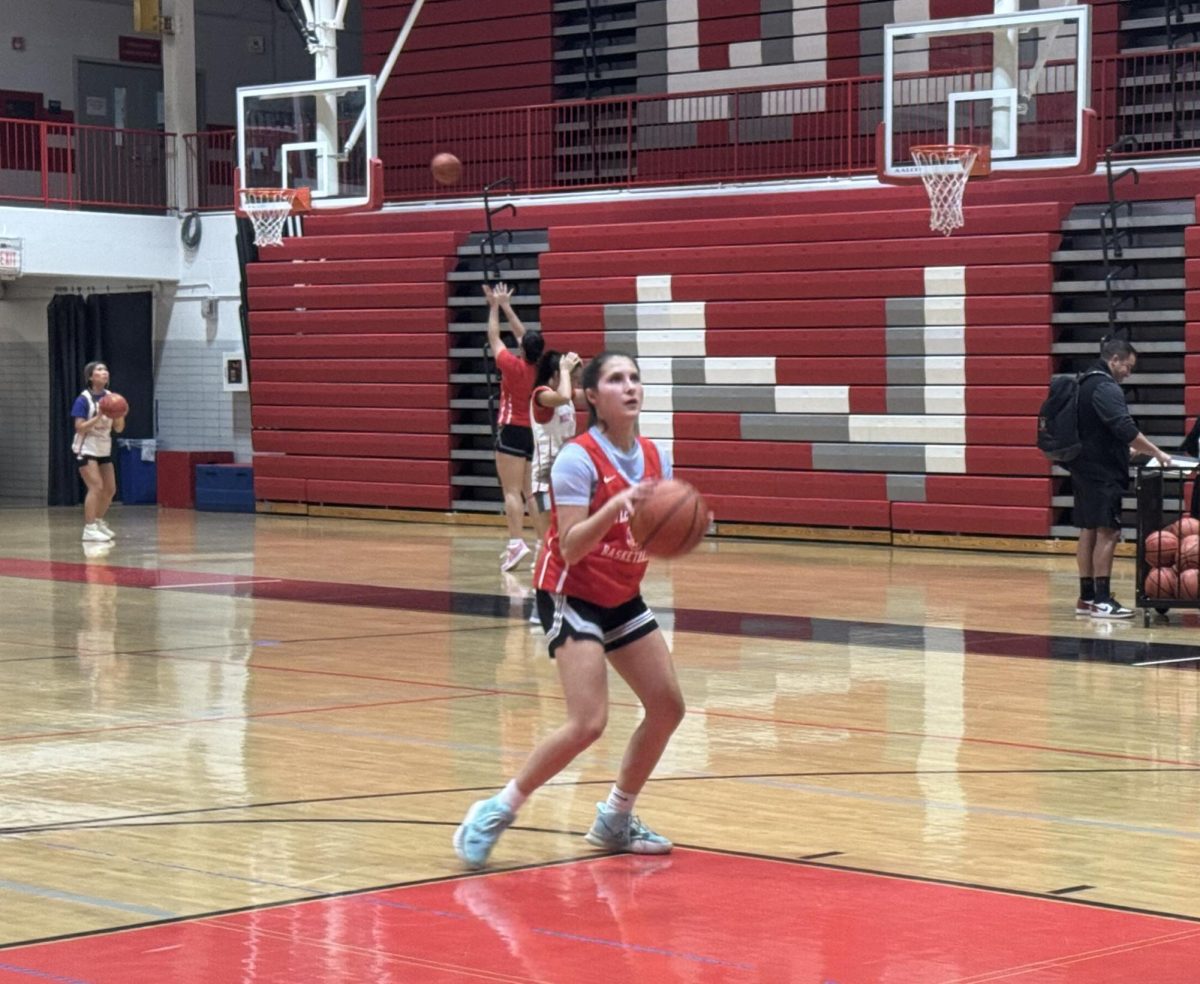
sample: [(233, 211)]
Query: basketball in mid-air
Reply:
[(114, 405), (671, 521), (446, 168)]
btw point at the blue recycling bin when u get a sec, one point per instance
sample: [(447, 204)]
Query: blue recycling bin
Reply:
[(137, 474)]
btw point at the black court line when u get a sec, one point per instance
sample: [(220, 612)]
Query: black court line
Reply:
[(789, 628), (126, 819), (560, 862)]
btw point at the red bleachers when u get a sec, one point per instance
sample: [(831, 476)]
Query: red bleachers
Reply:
[(350, 368), (350, 378)]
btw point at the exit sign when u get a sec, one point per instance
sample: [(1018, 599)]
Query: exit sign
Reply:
[(10, 259)]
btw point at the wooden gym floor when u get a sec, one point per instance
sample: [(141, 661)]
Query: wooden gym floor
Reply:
[(234, 748)]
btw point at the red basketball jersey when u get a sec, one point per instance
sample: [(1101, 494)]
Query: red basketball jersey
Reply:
[(612, 573), (516, 383)]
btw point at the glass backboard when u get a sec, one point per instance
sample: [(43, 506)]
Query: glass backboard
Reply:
[(317, 135), (1014, 82)]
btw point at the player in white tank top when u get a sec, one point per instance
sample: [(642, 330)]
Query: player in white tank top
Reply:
[(92, 448), (552, 418)]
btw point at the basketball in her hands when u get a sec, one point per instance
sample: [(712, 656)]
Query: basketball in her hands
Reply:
[(114, 405), (446, 168), (671, 520)]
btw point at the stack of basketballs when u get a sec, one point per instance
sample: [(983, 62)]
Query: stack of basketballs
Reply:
[(1173, 556)]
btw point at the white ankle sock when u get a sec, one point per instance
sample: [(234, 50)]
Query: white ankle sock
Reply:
[(620, 800), (511, 796)]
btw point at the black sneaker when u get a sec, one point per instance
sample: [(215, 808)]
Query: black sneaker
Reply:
[(1083, 607), (1110, 608)]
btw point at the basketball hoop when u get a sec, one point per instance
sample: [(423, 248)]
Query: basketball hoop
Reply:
[(268, 208), (944, 169)]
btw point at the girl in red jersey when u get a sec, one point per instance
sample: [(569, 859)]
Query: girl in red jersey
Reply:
[(514, 438), (588, 595)]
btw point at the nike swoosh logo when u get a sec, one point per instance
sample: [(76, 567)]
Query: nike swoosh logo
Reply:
[(609, 478)]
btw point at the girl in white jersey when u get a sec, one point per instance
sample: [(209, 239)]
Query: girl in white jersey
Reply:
[(552, 417), (93, 451)]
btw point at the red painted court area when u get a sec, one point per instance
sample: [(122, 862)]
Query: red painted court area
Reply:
[(694, 916)]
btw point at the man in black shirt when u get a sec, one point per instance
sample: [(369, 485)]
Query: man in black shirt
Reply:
[(1100, 475)]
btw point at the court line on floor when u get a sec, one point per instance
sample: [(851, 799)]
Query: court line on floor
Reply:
[(100, 823), (796, 628), (560, 862), (170, 652), (217, 584), (469, 691), (222, 718)]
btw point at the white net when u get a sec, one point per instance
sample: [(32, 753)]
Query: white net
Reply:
[(267, 209), (944, 169)]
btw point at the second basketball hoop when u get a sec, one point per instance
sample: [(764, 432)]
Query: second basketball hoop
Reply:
[(944, 170)]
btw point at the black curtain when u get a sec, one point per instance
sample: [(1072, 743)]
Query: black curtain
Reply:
[(118, 330), (126, 341), (247, 253), (74, 335)]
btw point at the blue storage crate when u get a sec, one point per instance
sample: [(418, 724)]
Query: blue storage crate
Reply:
[(137, 472), (225, 488)]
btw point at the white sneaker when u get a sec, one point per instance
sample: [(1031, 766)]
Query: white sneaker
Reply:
[(104, 529), (517, 551), (93, 534)]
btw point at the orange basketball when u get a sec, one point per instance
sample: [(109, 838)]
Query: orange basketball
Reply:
[(1162, 582), (446, 168), (1189, 584), (1187, 526), (1161, 548), (114, 405), (671, 521), (1189, 553)]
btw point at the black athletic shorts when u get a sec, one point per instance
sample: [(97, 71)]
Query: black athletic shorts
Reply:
[(564, 617), (515, 440), (83, 459), (1098, 504)]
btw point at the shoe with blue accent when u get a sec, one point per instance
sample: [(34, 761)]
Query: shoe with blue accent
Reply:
[(616, 831), (481, 828)]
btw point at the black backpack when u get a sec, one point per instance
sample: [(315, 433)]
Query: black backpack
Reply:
[(1058, 419)]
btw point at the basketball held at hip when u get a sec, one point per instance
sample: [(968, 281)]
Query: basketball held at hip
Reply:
[(671, 521), (446, 168)]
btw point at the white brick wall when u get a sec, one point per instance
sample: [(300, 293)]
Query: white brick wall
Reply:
[(193, 411), (24, 400)]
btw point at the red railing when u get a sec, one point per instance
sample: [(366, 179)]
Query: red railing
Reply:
[(815, 129), (74, 166), (211, 158), (811, 129)]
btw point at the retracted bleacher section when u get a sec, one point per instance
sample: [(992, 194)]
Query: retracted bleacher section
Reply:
[(818, 360), (350, 367), (836, 369)]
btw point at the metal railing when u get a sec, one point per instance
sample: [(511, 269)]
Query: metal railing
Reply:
[(69, 165), (211, 159), (817, 129)]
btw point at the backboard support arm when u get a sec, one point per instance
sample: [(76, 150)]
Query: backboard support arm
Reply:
[(386, 72)]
